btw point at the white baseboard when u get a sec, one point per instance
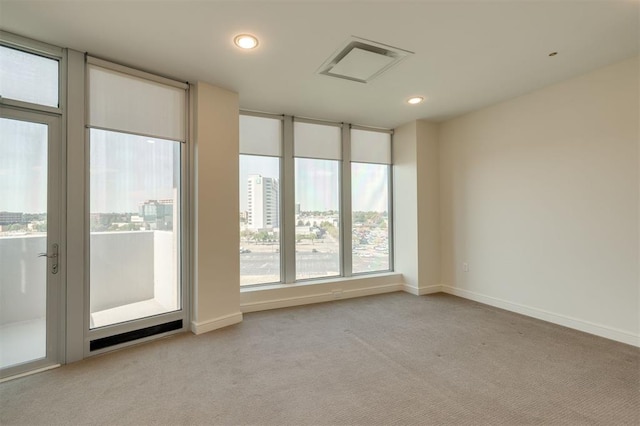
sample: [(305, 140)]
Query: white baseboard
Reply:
[(214, 324), (586, 326), (30, 372), (285, 302), (420, 291)]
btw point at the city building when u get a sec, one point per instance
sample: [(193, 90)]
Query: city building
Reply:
[(263, 199), (157, 213), (8, 218)]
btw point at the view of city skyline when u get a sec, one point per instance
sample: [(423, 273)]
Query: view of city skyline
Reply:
[(317, 218), (370, 179)]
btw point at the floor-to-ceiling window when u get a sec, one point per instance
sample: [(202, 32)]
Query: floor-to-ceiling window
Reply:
[(136, 143), (260, 174), (315, 201), (370, 200), (318, 153)]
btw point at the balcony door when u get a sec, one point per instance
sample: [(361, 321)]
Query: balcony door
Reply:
[(30, 247)]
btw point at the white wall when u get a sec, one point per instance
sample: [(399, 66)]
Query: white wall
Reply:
[(428, 204), (216, 298), (405, 203), (539, 195), (416, 206), (116, 280), (22, 278), (165, 271)]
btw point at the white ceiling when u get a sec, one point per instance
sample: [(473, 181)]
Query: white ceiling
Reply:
[(467, 54)]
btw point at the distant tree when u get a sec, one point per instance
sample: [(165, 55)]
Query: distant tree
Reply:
[(300, 223), (358, 217), (262, 236), (333, 231), (247, 234), (312, 236)]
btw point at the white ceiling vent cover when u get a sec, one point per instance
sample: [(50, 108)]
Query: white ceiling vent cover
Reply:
[(362, 60)]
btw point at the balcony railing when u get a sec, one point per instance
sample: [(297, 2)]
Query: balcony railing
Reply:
[(134, 274)]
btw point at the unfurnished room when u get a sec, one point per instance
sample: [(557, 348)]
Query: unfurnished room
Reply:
[(319, 212)]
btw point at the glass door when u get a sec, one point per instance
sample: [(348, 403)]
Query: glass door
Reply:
[(30, 250)]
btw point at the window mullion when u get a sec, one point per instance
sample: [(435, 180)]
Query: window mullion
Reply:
[(345, 208), (287, 208)]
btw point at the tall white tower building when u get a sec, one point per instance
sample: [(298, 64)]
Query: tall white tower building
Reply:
[(263, 201)]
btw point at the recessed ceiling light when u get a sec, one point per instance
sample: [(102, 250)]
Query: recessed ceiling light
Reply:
[(246, 41), (553, 53), (415, 100)]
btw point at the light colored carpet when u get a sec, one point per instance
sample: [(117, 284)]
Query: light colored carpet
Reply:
[(390, 359)]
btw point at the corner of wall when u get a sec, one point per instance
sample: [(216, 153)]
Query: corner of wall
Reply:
[(428, 177), (540, 198), (417, 206), (405, 209), (216, 278), (215, 323)]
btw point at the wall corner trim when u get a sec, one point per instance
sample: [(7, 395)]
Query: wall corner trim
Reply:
[(565, 321), (421, 291), (216, 323)]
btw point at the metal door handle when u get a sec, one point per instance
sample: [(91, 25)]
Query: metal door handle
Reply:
[(53, 255)]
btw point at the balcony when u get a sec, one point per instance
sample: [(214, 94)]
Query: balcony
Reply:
[(134, 275)]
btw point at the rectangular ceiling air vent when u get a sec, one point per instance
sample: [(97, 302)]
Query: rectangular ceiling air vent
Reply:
[(362, 60)]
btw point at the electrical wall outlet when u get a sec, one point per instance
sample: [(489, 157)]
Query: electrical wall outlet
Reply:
[(465, 267)]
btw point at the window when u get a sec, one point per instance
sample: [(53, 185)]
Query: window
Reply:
[(314, 200), (370, 201), (317, 149), (28, 78), (137, 130), (23, 234), (260, 145)]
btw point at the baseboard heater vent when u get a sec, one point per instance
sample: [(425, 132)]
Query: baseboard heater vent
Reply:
[(129, 336)]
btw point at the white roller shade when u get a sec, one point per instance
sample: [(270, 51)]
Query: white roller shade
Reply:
[(125, 103), (260, 136), (317, 141), (370, 147)]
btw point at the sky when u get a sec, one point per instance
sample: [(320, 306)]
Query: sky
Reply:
[(316, 183), (23, 166), (127, 170)]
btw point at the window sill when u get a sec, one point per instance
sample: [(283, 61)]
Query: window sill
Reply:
[(274, 296)]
